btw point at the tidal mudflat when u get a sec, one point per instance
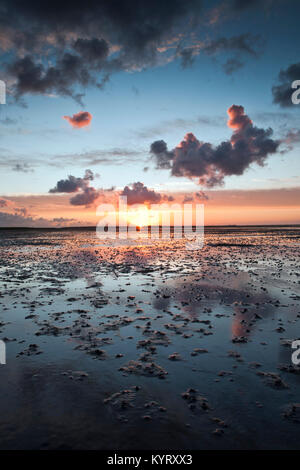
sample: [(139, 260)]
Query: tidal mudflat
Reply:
[(150, 346)]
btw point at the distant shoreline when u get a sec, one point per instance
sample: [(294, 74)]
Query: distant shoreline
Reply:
[(93, 227)]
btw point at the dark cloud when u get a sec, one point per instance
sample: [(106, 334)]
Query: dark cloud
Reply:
[(209, 164), (69, 185), (73, 184), (160, 150), (233, 9), (245, 43), (232, 65), (61, 48), (244, 4), (78, 120), (86, 197), (138, 193), (83, 40), (93, 51), (69, 69), (282, 93), (37, 78), (86, 194), (187, 57)]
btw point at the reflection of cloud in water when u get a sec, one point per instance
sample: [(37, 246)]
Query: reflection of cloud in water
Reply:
[(161, 303), (198, 297)]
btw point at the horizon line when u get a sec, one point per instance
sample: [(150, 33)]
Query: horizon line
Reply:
[(90, 227)]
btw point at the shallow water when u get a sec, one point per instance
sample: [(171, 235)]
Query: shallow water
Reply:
[(119, 333)]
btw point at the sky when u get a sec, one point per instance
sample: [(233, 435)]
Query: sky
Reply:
[(160, 101)]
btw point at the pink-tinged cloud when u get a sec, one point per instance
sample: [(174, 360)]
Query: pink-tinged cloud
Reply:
[(238, 120), (81, 119), (210, 164)]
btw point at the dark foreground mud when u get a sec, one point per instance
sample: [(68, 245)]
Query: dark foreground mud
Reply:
[(150, 346)]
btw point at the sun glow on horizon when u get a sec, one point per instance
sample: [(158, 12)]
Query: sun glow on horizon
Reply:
[(142, 217)]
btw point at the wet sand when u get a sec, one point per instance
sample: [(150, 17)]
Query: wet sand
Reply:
[(150, 346)]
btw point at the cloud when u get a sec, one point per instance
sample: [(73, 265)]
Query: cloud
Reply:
[(81, 119), (244, 4), (62, 47), (5, 202), (196, 196), (10, 206), (22, 211), (85, 198), (187, 57), (73, 184), (282, 93), (188, 198), (20, 220), (86, 41), (164, 157), (245, 43), (93, 51), (201, 196), (232, 9), (138, 193), (172, 125), (211, 164), (292, 137), (61, 220), (232, 65), (70, 69), (22, 168), (86, 194), (112, 156)]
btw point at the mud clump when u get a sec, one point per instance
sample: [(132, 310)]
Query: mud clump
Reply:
[(147, 369), (195, 401), (273, 380), (292, 412), (121, 400), (32, 350)]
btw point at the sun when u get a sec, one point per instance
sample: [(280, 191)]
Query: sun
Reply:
[(141, 217)]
